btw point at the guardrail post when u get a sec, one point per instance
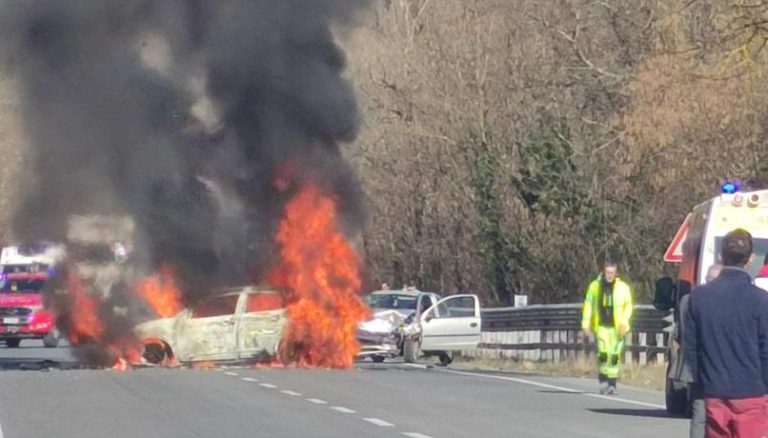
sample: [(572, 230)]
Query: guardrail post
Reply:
[(643, 341), (659, 344), (527, 340), (661, 357)]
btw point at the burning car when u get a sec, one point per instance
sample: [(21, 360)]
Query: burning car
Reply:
[(239, 324), (412, 323)]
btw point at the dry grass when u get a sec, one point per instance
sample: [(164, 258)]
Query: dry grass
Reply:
[(651, 376)]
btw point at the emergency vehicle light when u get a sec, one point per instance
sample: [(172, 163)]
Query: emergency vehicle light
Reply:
[(729, 187), (754, 200)]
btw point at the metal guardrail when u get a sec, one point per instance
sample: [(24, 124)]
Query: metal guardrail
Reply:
[(646, 318), (552, 332)]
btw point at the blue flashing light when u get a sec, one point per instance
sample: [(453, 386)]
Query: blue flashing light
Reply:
[(729, 187)]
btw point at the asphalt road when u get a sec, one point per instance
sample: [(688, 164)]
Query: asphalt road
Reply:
[(387, 400)]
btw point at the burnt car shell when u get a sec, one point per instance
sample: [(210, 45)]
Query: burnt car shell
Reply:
[(240, 324)]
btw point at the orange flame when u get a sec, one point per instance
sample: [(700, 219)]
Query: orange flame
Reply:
[(204, 365), (268, 364), (87, 327), (319, 271), (84, 312), (161, 292), (121, 364), (127, 351)]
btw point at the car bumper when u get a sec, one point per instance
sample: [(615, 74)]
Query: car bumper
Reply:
[(23, 331), (378, 344)]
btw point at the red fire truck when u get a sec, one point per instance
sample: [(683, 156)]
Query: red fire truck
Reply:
[(23, 314)]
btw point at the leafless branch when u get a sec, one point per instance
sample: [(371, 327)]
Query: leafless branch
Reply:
[(573, 39)]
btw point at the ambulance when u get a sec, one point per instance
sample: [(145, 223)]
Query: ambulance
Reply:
[(696, 247)]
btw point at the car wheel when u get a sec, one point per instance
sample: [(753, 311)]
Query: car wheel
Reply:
[(446, 357), (377, 359), (51, 339), (411, 350), (13, 343), (155, 353)]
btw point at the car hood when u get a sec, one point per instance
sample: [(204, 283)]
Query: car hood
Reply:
[(383, 321)]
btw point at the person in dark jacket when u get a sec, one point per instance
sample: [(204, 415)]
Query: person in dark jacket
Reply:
[(681, 370), (726, 345)]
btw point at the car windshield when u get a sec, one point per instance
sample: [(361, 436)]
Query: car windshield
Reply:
[(391, 301), (21, 286)]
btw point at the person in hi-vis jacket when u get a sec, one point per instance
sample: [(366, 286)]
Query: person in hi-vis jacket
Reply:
[(606, 314)]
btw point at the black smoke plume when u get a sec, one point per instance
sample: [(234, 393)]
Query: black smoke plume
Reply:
[(196, 118)]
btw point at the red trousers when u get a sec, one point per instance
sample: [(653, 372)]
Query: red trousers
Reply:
[(737, 418)]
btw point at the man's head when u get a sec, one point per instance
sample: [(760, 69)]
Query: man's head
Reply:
[(609, 271), (384, 286), (737, 248), (713, 272)]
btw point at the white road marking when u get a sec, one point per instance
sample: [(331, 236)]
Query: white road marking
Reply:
[(1, 431), (378, 422), (230, 373), (249, 379), (343, 410), (417, 365), (557, 388), (268, 385), (317, 401), (624, 400), (416, 435), (294, 393)]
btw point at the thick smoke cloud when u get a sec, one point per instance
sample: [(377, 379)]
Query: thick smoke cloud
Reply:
[(189, 116)]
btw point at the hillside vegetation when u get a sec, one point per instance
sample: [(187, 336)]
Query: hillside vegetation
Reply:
[(508, 145)]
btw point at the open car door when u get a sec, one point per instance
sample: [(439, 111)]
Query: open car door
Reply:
[(424, 302), (452, 324)]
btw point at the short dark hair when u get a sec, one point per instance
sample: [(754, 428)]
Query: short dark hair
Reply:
[(737, 248)]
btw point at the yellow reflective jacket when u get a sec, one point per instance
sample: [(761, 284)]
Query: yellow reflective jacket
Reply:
[(622, 306)]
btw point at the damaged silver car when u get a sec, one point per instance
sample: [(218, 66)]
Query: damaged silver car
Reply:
[(411, 324), (240, 324), (381, 336)]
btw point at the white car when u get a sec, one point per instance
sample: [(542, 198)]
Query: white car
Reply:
[(452, 324), (236, 325), (419, 323), (381, 336)]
